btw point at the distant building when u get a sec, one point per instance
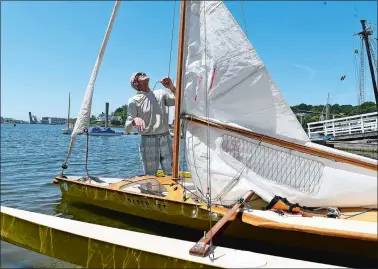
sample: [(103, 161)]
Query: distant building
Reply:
[(8, 120), (117, 118), (301, 114), (32, 118), (2, 120), (54, 120), (101, 117)]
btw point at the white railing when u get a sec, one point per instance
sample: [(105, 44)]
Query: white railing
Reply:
[(343, 126)]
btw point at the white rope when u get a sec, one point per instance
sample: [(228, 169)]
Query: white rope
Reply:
[(208, 193), (245, 24)]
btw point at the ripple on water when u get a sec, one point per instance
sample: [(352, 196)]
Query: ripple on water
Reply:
[(32, 155)]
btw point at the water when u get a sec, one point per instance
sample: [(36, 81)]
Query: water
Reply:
[(31, 155)]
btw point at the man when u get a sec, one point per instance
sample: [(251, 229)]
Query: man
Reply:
[(147, 113)]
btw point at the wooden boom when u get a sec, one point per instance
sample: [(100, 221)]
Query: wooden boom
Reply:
[(285, 144)]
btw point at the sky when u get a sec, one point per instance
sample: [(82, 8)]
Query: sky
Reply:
[(48, 49)]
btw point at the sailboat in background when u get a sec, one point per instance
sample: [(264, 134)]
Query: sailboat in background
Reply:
[(253, 167), (106, 130), (69, 128)]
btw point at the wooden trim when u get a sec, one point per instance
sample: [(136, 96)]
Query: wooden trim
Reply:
[(262, 222), (285, 144), (202, 247), (180, 58)]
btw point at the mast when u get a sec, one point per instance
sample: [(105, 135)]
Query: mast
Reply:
[(106, 114), (327, 108), (180, 58), (69, 107), (365, 35)]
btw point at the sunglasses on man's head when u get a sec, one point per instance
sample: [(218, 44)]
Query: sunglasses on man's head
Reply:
[(137, 76)]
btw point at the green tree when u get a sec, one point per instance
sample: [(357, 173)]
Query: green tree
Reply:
[(368, 107), (335, 109), (347, 110), (121, 111), (115, 122), (303, 107)]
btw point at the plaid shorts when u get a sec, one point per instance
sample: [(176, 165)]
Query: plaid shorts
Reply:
[(156, 150)]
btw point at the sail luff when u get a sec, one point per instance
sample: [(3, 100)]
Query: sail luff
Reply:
[(176, 136), (82, 121), (282, 143)]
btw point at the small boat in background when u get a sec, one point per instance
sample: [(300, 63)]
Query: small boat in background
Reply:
[(102, 131), (70, 126), (69, 129)]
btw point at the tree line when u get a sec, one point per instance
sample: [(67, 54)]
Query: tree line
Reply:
[(311, 113), (114, 121), (317, 112)]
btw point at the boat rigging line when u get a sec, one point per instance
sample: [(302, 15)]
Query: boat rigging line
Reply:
[(245, 24), (365, 33), (173, 27), (208, 192), (171, 45)]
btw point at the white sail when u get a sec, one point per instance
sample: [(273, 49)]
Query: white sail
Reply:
[(239, 89), (83, 119), (224, 76)]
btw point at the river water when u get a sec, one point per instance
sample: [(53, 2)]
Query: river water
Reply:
[(31, 155)]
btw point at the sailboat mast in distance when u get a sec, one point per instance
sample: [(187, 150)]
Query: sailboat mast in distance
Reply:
[(69, 107)]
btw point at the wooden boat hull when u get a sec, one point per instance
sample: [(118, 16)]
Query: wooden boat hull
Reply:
[(95, 246), (196, 216)]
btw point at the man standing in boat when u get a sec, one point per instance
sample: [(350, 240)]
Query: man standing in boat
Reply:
[(147, 113)]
